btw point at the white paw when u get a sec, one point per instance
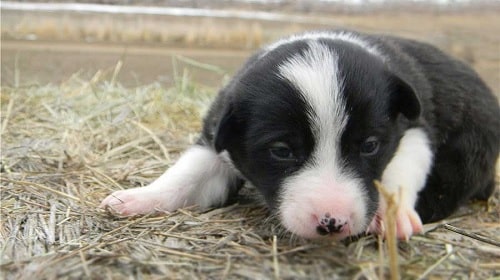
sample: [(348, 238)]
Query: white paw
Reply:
[(132, 202), (408, 223)]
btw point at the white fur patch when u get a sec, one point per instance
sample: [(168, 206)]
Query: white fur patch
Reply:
[(339, 35), (409, 167), (316, 76), (199, 177), (404, 176), (322, 185)]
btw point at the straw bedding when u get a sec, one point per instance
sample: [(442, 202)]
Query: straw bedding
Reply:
[(65, 147)]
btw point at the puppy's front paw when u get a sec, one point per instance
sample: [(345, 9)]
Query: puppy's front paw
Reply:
[(131, 202), (407, 223)]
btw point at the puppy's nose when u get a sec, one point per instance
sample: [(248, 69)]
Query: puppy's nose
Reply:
[(329, 225)]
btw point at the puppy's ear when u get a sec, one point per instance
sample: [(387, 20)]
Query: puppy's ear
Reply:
[(403, 99), (228, 130)]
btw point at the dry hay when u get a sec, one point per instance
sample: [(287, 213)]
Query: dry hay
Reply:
[(164, 30), (65, 147)]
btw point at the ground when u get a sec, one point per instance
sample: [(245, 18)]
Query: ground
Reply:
[(72, 133)]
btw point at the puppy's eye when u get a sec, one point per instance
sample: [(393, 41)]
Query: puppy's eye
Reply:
[(370, 146), (281, 151)]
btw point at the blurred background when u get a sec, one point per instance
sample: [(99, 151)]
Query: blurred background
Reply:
[(160, 40)]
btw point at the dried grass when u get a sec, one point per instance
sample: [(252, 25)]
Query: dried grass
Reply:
[(65, 147), (89, 27)]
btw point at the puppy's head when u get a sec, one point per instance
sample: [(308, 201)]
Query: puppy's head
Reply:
[(311, 123)]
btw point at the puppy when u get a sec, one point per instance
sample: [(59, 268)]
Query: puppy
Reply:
[(312, 120)]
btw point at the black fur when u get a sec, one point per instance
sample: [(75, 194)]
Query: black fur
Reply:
[(462, 116)]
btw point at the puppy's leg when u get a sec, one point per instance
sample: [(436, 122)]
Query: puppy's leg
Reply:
[(405, 176), (200, 177)]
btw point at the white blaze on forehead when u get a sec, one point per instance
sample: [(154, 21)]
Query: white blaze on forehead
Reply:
[(315, 73), (322, 185)]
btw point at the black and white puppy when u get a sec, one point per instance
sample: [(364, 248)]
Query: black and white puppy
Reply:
[(312, 120)]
